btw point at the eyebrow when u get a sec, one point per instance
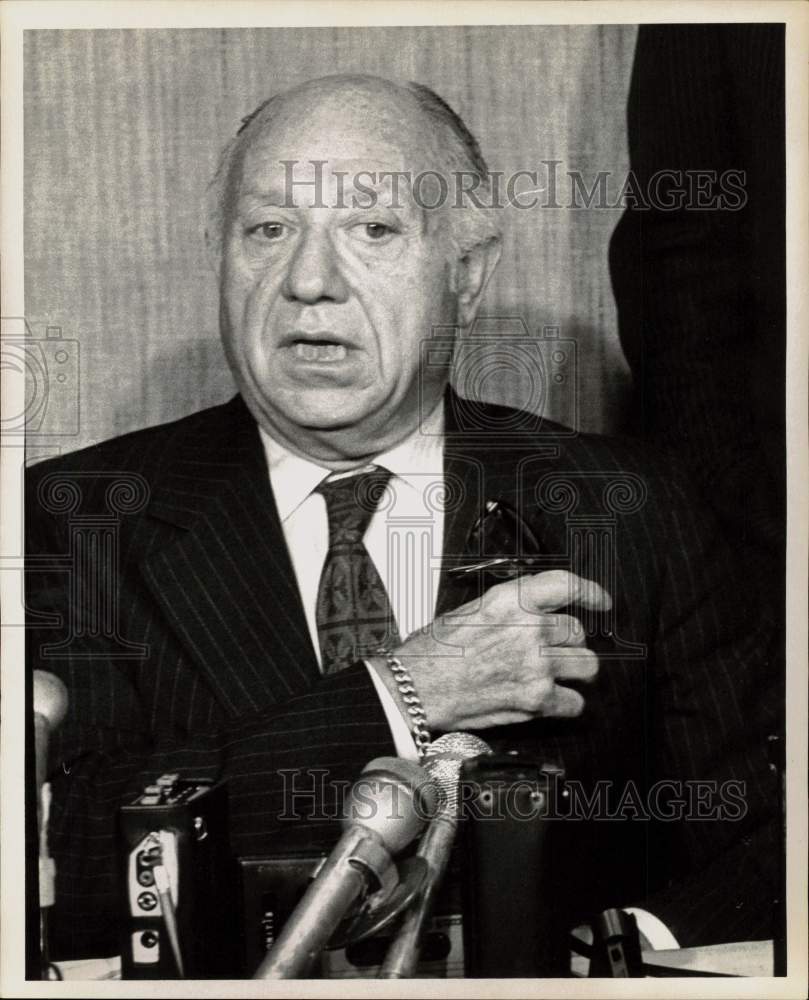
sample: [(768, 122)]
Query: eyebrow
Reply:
[(278, 197), (270, 196)]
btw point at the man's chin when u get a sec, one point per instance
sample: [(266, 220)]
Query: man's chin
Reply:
[(332, 409), (347, 416), (336, 434)]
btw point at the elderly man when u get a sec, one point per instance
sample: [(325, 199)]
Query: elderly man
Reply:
[(267, 607)]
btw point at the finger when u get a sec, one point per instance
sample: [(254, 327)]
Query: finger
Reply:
[(561, 630), (558, 588), (565, 703), (570, 663), (544, 698), (533, 695), (505, 717)]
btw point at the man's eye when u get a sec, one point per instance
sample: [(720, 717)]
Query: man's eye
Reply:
[(269, 230), (377, 230), (373, 232)]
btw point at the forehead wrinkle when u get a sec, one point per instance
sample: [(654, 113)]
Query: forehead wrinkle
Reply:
[(365, 116), (259, 188)]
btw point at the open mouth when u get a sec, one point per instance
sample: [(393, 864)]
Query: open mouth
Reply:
[(318, 359), (323, 346), (319, 350)]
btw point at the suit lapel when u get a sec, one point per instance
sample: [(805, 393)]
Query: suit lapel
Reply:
[(225, 581), (464, 478), (482, 466), (475, 473)]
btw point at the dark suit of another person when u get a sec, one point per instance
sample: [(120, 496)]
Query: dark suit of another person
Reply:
[(701, 292)]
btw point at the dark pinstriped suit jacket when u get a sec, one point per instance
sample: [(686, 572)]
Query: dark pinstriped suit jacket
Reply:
[(209, 668), (701, 294)]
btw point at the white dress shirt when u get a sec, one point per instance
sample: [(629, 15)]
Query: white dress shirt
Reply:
[(404, 537)]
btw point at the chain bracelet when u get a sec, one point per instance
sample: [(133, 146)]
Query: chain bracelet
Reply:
[(415, 710)]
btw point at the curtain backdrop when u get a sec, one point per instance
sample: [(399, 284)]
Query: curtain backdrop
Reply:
[(123, 130)]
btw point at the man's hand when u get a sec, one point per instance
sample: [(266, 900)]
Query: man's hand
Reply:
[(516, 654)]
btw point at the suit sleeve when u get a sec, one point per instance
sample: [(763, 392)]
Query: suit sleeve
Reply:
[(286, 766)]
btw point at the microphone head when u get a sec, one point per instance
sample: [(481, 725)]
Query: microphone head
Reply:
[(443, 761), (463, 745), (394, 798), (50, 697)]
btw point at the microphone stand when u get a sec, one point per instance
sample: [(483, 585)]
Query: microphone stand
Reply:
[(47, 886), (403, 953), (443, 762)]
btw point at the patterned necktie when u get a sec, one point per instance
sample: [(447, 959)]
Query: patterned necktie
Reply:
[(354, 616)]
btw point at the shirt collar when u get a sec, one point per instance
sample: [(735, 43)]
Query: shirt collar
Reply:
[(293, 478)]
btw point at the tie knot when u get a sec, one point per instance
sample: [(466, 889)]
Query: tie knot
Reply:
[(351, 501)]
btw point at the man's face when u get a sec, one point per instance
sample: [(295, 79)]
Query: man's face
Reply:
[(325, 302)]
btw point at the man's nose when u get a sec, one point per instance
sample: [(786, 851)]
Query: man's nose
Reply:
[(313, 272)]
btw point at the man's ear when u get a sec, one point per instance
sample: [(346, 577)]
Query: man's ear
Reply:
[(473, 272)]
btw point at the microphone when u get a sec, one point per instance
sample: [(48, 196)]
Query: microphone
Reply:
[(443, 762), (386, 810), (50, 707)]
